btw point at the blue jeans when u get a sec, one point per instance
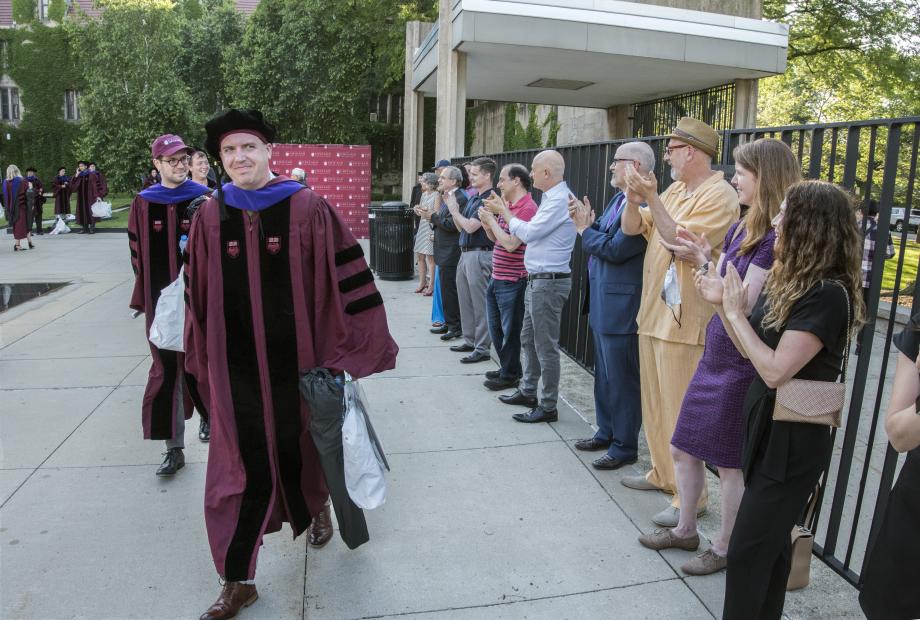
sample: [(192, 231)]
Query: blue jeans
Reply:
[(505, 313)]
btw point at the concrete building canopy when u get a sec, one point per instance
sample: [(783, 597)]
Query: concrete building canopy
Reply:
[(596, 53)]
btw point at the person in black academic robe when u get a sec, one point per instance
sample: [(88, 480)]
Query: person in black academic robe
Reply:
[(84, 187), (38, 199), (158, 225), (277, 285), (61, 191)]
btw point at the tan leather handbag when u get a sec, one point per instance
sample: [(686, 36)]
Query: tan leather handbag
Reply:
[(803, 539), (815, 402)]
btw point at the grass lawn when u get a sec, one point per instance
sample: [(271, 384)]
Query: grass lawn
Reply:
[(909, 275), (118, 220)]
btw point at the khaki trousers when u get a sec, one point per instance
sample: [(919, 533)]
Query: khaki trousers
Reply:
[(665, 372)]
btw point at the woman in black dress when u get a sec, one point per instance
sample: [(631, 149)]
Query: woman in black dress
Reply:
[(891, 573), (798, 329)]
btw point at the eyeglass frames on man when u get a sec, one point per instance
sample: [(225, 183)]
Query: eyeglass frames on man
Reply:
[(175, 161), (670, 149)]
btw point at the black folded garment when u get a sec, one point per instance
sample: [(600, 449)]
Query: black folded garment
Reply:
[(326, 401)]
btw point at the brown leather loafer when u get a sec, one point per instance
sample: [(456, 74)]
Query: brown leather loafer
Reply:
[(233, 597), (321, 529)]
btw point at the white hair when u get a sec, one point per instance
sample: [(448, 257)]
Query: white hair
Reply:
[(299, 173)]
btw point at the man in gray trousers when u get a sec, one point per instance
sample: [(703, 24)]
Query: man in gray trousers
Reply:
[(550, 237), (475, 268)]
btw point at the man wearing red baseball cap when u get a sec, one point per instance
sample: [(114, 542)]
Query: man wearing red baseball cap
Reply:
[(277, 284), (160, 218)]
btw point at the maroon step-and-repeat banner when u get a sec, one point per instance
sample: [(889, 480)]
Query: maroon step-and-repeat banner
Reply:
[(341, 173)]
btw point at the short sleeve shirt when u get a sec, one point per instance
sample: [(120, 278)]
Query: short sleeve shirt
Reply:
[(822, 311), (709, 211)]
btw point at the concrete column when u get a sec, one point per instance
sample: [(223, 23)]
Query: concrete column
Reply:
[(745, 104), (451, 112), (619, 125), (460, 99), (413, 112)]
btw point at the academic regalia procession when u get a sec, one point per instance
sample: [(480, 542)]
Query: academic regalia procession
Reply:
[(277, 285), (159, 218), (61, 190)]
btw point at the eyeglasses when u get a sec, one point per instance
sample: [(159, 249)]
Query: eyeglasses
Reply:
[(175, 161), (670, 149), (621, 161)]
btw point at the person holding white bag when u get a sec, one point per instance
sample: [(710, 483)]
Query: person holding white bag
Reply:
[(160, 217)]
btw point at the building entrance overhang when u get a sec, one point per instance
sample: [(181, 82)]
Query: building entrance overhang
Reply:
[(598, 53)]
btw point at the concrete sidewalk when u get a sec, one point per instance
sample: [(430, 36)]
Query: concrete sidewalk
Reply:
[(486, 518)]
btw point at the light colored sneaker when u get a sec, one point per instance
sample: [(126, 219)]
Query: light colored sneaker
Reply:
[(705, 563), (664, 538), (671, 515), (639, 483)]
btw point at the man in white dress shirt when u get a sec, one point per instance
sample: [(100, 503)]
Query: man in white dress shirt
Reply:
[(550, 236)]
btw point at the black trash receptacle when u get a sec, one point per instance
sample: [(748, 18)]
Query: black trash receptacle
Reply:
[(392, 232)]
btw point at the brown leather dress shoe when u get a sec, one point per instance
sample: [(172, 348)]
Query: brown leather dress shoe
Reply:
[(321, 529), (233, 597)]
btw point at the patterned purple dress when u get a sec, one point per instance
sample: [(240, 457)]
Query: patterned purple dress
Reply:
[(711, 421)]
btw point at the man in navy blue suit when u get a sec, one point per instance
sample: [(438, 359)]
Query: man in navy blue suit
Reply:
[(612, 303)]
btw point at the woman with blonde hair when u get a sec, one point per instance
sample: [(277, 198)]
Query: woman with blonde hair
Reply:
[(710, 427), (424, 236), (800, 328), (17, 207)]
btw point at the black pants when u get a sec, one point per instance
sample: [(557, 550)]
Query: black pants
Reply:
[(760, 549), (449, 299)]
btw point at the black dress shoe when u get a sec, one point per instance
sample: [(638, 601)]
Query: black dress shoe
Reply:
[(518, 398), (493, 374), (173, 462), (537, 414), (609, 462), (591, 445), (463, 348), (451, 336), (474, 357), (204, 431), (498, 383), (439, 330)]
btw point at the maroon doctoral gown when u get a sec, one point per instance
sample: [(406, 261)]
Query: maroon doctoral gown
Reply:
[(272, 293), (16, 204), (61, 195), (154, 229), (87, 187)]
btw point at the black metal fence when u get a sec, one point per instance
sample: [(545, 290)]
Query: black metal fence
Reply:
[(876, 160), (715, 106)]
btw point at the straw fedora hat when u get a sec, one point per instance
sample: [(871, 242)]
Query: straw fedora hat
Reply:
[(697, 134)]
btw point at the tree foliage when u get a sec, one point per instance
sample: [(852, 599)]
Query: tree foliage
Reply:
[(134, 91), (848, 60)]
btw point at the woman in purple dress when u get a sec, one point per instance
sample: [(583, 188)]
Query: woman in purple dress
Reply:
[(710, 427)]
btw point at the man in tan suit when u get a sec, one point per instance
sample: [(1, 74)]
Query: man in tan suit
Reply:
[(672, 332)]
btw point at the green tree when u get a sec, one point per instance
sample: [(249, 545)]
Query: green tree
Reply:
[(847, 60), (218, 27), (134, 91), (304, 63)]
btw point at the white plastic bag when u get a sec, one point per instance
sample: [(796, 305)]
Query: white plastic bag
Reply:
[(102, 209), (60, 227), (168, 325), (364, 459)]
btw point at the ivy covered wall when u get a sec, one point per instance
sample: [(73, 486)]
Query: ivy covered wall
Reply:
[(40, 64)]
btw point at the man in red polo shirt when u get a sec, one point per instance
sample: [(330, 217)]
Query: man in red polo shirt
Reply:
[(505, 295)]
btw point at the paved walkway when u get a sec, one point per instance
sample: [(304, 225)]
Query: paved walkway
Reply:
[(486, 518)]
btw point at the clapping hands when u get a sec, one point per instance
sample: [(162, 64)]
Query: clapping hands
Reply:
[(734, 293), (689, 247), (581, 213), (640, 189), (494, 204)]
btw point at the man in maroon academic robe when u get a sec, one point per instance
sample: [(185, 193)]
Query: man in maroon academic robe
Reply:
[(61, 190), (159, 220), (38, 200), (99, 180), (277, 284), (85, 186)]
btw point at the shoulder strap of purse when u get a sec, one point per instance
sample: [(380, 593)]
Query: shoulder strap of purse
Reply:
[(849, 332)]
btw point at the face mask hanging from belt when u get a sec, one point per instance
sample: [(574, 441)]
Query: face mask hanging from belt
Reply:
[(670, 291)]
